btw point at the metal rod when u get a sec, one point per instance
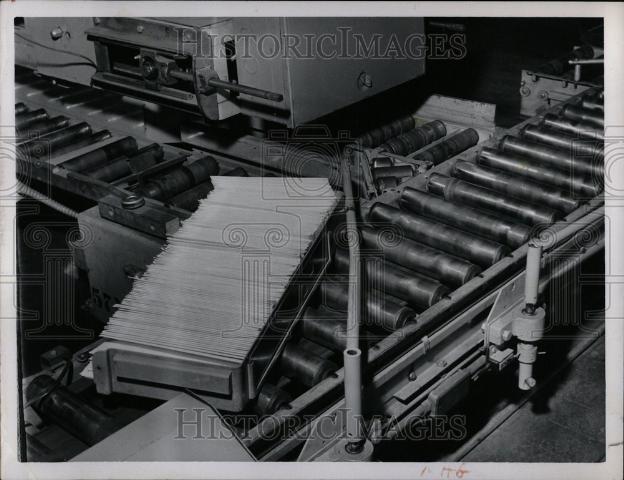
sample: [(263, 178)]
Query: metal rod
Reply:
[(475, 249), (100, 156), (415, 139)]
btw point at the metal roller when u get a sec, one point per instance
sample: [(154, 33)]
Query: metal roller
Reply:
[(466, 218), (179, 179), (461, 192), (52, 142), (59, 405), (379, 135), (44, 127), (447, 269), (563, 141), (123, 166), (399, 171), (416, 289), (574, 184), (514, 186), (551, 156), (593, 104), (100, 156), (379, 162), (475, 249), (305, 366), (20, 108), (580, 114), (581, 129), (26, 118), (449, 147), (379, 310), (113, 171), (327, 328), (415, 139)]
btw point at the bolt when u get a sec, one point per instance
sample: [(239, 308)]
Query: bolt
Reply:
[(506, 335), (140, 29), (56, 33), (530, 382), (493, 349), (412, 376), (96, 20)]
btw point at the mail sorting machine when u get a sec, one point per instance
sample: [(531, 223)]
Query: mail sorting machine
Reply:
[(454, 266)]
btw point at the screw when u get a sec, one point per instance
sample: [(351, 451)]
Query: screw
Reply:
[(412, 376), (56, 33), (140, 29), (493, 349), (96, 20)]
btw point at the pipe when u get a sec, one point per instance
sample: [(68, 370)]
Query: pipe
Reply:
[(449, 147), (415, 139), (353, 399), (581, 129), (467, 218), (514, 186), (531, 282), (475, 249), (352, 377), (429, 261), (580, 114), (552, 157), (464, 193), (568, 182), (575, 146)]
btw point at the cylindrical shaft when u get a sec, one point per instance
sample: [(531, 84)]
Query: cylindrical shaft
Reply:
[(466, 218), (416, 289), (379, 309), (576, 185), (531, 280), (464, 193), (575, 146), (415, 139), (53, 142), (579, 114), (515, 187), (552, 157), (26, 118), (429, 261), (580, 129), (112, 171), (100, 156), (398, 171), (65, 409), (327, 328), (449, 147), (475, 249), (254, 92), (305, 366)]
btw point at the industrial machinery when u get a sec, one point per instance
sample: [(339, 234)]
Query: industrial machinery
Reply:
[(426, 249)]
